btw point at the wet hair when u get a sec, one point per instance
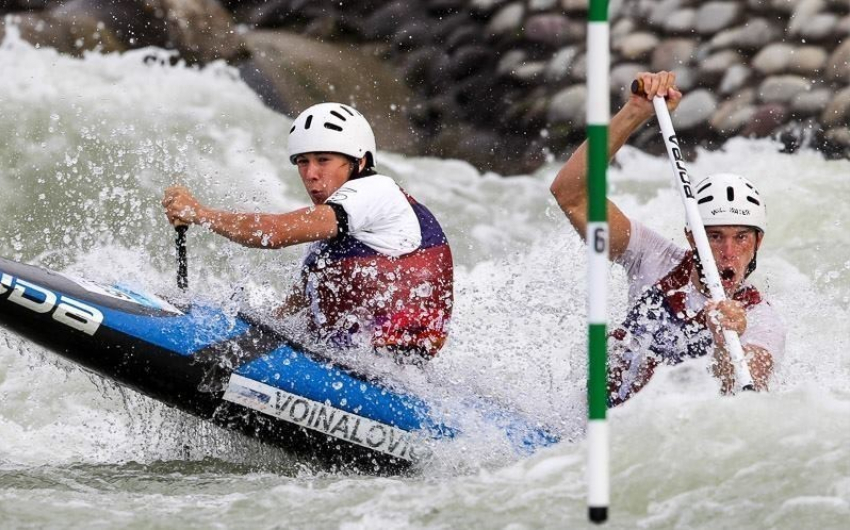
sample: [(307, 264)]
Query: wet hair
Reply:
[(367, 170)]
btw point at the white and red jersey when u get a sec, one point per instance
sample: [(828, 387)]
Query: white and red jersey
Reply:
[(388, 272), (666, 322)]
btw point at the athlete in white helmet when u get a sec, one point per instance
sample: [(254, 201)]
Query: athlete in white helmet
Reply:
[(379, 267), (671, 317)]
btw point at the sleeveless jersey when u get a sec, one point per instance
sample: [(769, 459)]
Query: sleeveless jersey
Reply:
[(387, 276)]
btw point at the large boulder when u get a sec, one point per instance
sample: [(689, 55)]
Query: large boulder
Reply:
[(304, 72), (68, 33), (200, 30)]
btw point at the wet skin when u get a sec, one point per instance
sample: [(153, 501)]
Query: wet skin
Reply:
[(323, 174)]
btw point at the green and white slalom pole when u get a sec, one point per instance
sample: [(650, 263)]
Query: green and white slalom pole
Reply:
[(598, 116)]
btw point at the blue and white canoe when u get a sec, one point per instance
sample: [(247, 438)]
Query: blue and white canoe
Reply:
[(236, 373)]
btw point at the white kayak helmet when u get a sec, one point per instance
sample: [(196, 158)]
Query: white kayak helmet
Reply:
[(332, 128), (729, 199)]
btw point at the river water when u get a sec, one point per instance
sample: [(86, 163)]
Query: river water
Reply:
[(88, 146)]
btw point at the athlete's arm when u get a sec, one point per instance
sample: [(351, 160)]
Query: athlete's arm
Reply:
[(257, 230), (759, 361), (570, 185)]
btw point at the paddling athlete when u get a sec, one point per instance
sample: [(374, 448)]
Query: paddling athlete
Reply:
[(378, 266), (672, 318)]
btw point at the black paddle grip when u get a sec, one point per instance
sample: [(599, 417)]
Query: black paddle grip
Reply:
[(182, 259)]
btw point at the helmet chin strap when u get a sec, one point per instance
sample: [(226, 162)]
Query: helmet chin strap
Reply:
[(751, 266)]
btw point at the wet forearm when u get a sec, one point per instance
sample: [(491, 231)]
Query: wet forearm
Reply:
[(759, 362), (261, 230)]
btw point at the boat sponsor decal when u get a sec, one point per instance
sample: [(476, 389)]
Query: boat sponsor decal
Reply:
[(67, 311), (121, 292), (324, 418)]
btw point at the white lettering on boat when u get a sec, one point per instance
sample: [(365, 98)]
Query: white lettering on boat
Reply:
[(322, 417), (36, 298)]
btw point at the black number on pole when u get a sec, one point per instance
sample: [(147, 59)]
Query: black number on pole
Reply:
[(599, 240)]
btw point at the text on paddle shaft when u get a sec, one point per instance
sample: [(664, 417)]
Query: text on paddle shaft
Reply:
[(67, 311), (680, 166)]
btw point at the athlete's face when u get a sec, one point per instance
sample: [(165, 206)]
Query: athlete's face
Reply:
[(323, 173), (733, 247)]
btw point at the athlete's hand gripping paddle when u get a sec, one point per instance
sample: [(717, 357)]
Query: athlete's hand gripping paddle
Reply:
[(683, 180), (182, 259)]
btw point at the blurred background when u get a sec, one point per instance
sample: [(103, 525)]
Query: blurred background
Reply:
[(499, 83)]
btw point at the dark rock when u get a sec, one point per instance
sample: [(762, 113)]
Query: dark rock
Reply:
[(136, 24), (554, 30), (783, 88), (462, 36), (305, 72), (734, 79), (682, 22), (765, 120), (637, 46), (659, 12), (507, 21), (671, 53), (23, 5), (712, 69), (567, 107), (695, 109), (201, 30), (477, 97), (716, 16), (808, 61), (838, 142), (412, 35), (385, 21), (837, 113), (751, 36), (289, 13), (484, 9), (469, 60), (442, 8), (71, 34), (838, 64), (561, 64), (438, 72), (811, 103), (510, 61), (733, 114)]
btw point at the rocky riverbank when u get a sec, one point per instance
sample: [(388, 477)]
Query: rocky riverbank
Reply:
[(497, 82)]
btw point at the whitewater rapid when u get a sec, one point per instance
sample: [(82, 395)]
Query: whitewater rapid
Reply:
[(88, 146)]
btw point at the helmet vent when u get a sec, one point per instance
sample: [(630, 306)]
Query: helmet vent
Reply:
[(308, 122), (705, 199), (730, 193), (332, 126), (700, 190), (338, 115), (292, 129), (346, 109), (753, 200)]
